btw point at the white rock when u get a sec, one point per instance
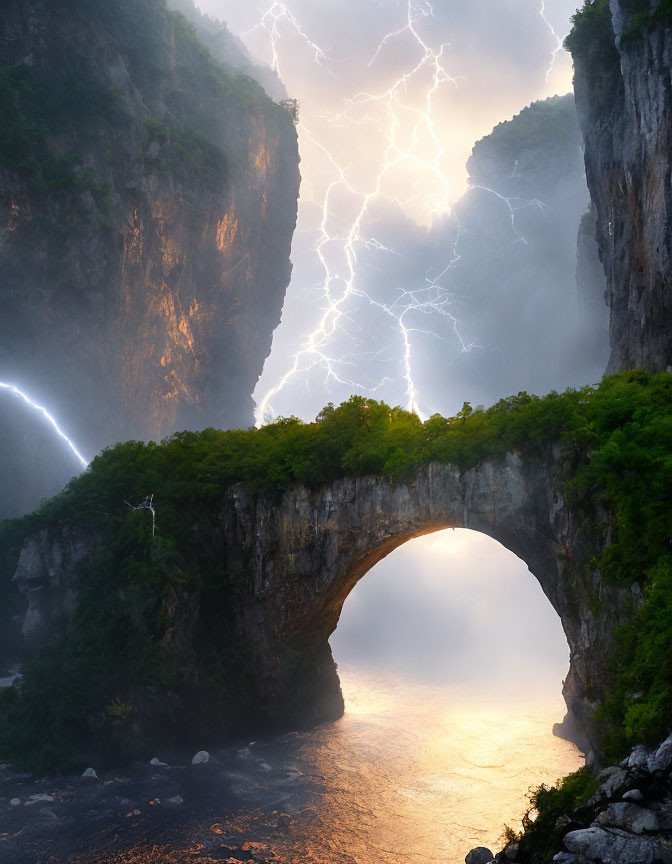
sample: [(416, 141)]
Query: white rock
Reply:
[(158, 764), (38, 799), (15, 802), (265, 766), (633, 795), (661, 760), (613, 846), (638, 759), (90, 772), (201, 758), (616, 783), (632, 817)]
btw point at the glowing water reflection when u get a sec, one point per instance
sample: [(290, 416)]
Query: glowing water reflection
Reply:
[(415, 772)]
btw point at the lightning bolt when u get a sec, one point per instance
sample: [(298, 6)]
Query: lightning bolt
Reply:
[(48, 417), (409, 129), (271, 21), (558, 40), (339, 288)]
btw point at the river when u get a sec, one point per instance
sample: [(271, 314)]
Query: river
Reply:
[(411, 772)]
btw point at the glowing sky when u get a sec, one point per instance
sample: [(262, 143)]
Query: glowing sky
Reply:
[(393, 94)]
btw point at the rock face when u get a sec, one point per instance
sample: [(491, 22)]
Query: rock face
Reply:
[(608, 828), (148, 199), (54, 592), (624, 101), (297, 559)]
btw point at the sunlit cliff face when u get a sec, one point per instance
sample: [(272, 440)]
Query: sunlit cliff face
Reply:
[(392, 97), (173, 301)]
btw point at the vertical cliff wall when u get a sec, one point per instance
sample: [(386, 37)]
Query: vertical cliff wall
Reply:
[(148, 199), (622, 52)]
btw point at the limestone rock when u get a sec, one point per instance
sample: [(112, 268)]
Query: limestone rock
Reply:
[(162, 298), (631, 817), (633, 795), (624, 103), (616, 783), (660, 762), (90, 772), (611, 846), (201, 758)]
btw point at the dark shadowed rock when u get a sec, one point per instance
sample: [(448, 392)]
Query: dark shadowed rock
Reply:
[(480, 855)]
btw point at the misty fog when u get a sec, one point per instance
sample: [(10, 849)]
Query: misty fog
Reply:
[(454, 608)]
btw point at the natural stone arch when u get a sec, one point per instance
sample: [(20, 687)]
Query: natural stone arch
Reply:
[(287, 565), (306, 553)]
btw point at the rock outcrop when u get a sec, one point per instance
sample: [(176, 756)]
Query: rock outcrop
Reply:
[(623, 61), (294, 561), (628, 820), (148, 198)]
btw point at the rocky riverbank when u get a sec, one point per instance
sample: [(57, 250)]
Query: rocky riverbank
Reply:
[(628, 820)]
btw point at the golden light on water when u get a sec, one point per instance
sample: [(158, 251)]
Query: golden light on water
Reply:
[(421, 772)]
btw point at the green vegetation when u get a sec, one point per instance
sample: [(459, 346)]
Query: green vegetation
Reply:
[(550, 125), (620, 435), (53, 116), (36, 107), (591, 28), (186, 155), (545, 822)]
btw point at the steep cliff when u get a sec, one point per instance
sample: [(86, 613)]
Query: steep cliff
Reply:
[(148, 199), (622, 52)]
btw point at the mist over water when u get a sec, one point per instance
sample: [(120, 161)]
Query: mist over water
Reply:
[(454, 609)]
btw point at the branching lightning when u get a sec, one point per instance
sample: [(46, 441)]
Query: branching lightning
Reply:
[(412, 141), (338, 288), (48, 417), (276, 15), (558, 40)]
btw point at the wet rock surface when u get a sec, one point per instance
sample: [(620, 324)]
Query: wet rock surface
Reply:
[(624, 102)]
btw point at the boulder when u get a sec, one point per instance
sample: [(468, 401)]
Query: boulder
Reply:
[(158, 764), (633, 795), (638, 759), (660, 762), (201, 758), (611, 846), (480, 855), (616, 784), (631, 817), (90, 772)]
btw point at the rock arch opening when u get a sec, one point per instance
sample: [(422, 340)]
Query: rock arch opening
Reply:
[(454, 608)]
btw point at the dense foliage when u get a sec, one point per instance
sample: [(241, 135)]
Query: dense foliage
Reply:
[(50, 112), (549, 125), (545, 822), (620, 434), (592, 28)]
